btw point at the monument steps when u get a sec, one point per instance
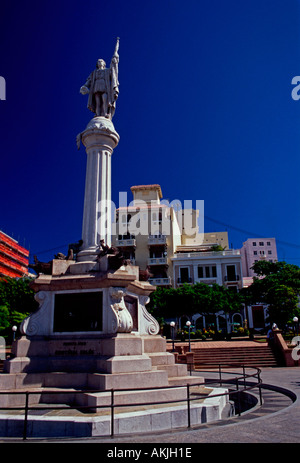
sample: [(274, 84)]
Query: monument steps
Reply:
[(129, 380), (177, 369), (184, 380), (145, 397), (161, 358)]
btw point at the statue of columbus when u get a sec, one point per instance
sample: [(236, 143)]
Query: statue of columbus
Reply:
[(102, 86)]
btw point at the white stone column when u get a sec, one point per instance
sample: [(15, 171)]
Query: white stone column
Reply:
[(99, 139)]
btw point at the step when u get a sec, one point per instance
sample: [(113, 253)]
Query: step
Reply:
[(104, 381), (177, 369), (146, 396), (162, 358), (184, 380)]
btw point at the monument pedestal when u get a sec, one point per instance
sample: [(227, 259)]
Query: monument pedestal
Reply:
[(92, 329)]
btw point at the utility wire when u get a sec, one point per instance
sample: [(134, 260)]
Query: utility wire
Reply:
[(246, 232), (253, 235)]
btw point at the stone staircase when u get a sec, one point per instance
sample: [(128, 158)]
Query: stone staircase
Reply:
[(256, 356)]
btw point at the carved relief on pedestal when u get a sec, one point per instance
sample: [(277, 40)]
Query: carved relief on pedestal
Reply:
[(122, 320), (38, 322)]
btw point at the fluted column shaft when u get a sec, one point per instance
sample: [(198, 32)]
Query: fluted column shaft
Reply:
[(99, 139)]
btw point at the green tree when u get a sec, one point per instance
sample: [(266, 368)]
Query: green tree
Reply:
[(277, 284), (4, 317), (191, 299), (16, 301)]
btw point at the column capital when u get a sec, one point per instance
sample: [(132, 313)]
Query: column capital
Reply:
[(100, 133)]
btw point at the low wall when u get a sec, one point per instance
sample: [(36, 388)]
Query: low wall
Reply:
[(283, 350)]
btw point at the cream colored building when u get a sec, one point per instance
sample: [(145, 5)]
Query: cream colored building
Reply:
[(201, 264), (148, 234), (152, 235)]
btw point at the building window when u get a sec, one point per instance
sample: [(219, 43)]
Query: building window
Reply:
[(268, 243), (207, 271), (261, 243), (255, 253), (254, 243), (231, 273), (184, 275), (269, 252)]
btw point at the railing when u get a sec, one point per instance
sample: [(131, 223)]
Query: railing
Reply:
[(157, 239), (160, 281), (126, 242), (239, 382), (184, 254), (181, 281), (157, 261), (232, 278)]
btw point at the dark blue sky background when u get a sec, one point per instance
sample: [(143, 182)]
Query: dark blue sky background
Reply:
[(205, 110)]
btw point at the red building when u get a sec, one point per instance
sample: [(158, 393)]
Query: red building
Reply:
[(14, 259)]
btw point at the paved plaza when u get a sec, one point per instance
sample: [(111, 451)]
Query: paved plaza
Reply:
[(277, 421), (282, 426)]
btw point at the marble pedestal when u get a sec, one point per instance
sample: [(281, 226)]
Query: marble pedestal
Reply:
[(92, 331)]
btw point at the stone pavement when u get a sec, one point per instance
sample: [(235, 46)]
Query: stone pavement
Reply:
[(279, 424)]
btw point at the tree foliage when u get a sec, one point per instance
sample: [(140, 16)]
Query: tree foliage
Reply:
[(191, 299), (277, 284), (16, 301), (4, 317)]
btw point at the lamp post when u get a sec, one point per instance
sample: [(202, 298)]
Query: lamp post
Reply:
[(188, 324), (172, 325), (14, 329), (296, 326)]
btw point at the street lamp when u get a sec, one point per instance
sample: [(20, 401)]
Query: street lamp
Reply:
[(296, 326), (188, 324), (172, 325), (14, 329)]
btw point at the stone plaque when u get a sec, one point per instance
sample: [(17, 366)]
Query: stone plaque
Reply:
[(78, 312)]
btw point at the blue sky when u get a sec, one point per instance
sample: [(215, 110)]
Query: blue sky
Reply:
[(205, 110)]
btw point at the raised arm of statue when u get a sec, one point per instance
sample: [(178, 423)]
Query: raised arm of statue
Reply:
[(114, 75), (115, 58), (116, 54)]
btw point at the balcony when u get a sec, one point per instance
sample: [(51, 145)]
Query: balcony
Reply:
[(181, 281), (160, 281), (231, 278), (126, 243), (157, 240), (157, 261), (204, 254)]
